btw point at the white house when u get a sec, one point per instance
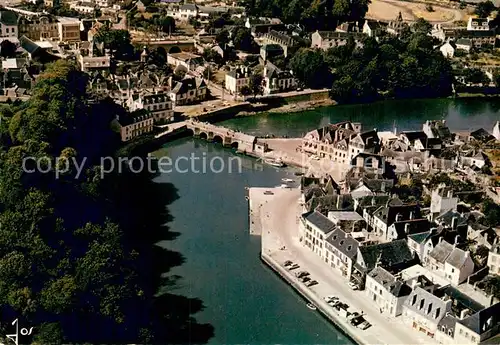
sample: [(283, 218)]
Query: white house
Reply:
[(478, 327), (184, 12), (423, 311), (188, 61), (478, 24), (83, 7), (187, 91), (340, 252), (385, 216), (313, 229), (447, 49), (159, 104), (442, 201), (464, 44), (276, 80), (386, 292), (494, 260), (452, 263), (237, 78), (405, 228), (8, 24)]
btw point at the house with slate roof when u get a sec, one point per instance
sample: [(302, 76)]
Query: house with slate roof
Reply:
[(329, 39), (442, 201), (374, 28), (188, 91), (423, 311), (135, 124), (452, 263), (8, 24), (405, 228), (158, 103), (276, 80), (481, 135), (340, 252), (437, 129), (386, 291), (478, 327), (393, 256), (385, 216), (372, 187), (314, 228)]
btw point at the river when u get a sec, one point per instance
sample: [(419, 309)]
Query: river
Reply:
[(244, 301)]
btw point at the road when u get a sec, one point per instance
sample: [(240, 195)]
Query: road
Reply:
[(279, 225)]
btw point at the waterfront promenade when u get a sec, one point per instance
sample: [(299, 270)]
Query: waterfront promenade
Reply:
[(279, 216)]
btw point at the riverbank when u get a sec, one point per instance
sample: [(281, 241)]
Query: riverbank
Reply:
[(279, 216)]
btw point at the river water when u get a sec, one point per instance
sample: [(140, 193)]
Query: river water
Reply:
[(244, 301)]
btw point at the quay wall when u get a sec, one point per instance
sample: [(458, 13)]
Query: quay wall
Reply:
[(327, 311), (223, 113)]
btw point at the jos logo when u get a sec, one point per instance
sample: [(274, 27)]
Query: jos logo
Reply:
[(24, 332)]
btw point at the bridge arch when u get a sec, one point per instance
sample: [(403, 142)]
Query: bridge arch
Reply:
[(234, 145), (217, 139), (203, 136), (190, 131), (174, 49)]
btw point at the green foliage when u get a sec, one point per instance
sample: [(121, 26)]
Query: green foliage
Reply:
[(491, 212), (212, 56), (401, 68), (310, 68), (255, 84), (313, 15), (243, 40), (475, 76), (484, 9), (71, 248), (118, 41), (7, 49)]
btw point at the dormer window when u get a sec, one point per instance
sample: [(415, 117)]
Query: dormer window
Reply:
[(422, 304), (438, 312), (414, 300), (429, 308)]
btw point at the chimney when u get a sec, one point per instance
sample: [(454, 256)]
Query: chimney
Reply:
[(407, 228), (454, 222), (440, 240), (373, 201), (464, 313), (170, 80), (450, 194), (398, 217), (382, 186), (456, 241), (339, 202), (411, 215)]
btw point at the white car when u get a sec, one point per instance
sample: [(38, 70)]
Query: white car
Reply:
[(352, 285), (330, 298)]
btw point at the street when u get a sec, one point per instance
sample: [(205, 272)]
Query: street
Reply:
[(280, 229)]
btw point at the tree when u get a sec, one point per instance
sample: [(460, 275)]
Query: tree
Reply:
[(310, 68), (118, 41), (476, 76), (255, 84), (422, 26), (245, 90), (243, 40), (7, 49), (222, 38), (212, 56), (484, 9), (165, 23), (208, 73)]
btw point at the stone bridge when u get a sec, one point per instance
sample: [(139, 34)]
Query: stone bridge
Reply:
[(225, 136)]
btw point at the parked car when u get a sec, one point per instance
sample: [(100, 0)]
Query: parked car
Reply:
[(353, 286), (353, 315), (293, 267), (357, 321), (333, 303), (305, 279), (301, 274), (312, 283), (330, 298), (365, 325), (288, 263)]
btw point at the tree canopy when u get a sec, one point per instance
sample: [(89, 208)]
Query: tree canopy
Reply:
[(77, 259)]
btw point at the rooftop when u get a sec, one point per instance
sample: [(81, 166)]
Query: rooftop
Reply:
[(320, 221)]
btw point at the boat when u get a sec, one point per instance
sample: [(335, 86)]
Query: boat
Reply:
[(275, 162), (287, 180), (311, 306)]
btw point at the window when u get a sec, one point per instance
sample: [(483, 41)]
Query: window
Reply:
[(438, 312), (461, 331), (429, 308), (422, 304), (473, 339), (414, 300), (466, 334)]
